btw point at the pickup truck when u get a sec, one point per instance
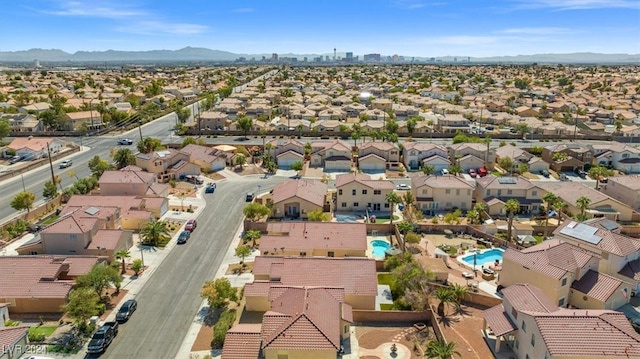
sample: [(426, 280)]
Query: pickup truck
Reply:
[(103, 337)]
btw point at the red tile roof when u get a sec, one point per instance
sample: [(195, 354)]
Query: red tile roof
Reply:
[(525, 297), (106, 239), (33, 277), (307, 236), (598, 286), (32, 143), (9, 336), (242, 342), (311, 191), (498, 320), (612, 242), (127, 177), (72, 224)]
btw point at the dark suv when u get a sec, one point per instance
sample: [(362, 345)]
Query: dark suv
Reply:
[(103, 337), (126, 310)]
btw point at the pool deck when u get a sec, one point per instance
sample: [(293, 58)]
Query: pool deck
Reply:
[(471, 251), (369, 252)]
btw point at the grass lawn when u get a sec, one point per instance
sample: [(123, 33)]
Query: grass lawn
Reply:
[(539, 239), (385, 306), (50, 220), (46, 330), (385, 219), (496, 173), (384, 278)]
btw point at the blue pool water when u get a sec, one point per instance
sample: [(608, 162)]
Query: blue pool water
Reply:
[(484, 258), (351, 218), (379, 247)]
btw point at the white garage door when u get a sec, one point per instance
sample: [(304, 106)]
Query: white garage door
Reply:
[(338, 166), (372, 166)]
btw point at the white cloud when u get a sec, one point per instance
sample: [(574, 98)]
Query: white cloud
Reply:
[(160, 27), (102, 10), (577, 4), (537, 31)]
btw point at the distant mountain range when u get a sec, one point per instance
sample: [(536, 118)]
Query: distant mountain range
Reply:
[(202, 54)]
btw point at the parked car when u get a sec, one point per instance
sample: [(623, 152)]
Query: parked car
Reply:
[(581, 173), (103, 337), (184, 237), (473, 173), (66, 163), (191, 225), (211, 187), (126, 310), (482, 171), (563, 177), (250, 197), (544, 173), (15, 159), (403, 187), (125, 141), (194, 179), (444, 171)]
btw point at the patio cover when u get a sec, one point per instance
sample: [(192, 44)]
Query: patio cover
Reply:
[(499, 321)]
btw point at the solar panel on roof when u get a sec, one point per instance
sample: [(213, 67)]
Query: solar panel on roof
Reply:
[(609, 225), (583, 232), (91, 210), (507, 180)]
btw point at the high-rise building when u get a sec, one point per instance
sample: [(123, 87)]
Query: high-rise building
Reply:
[(371, 58), (349, 57), (274, 57), (36, 63)]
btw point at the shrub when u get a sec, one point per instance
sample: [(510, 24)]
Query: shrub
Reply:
[(221, 327), (35, 337)]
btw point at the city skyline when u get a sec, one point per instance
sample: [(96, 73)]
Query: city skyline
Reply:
[(404, 27)]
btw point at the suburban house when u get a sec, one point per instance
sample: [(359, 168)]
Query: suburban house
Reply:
[(472, 155), (214, 120), (131, 182), (496, 191), (295, 199), (382, 104), (600, 204), (332, 155), (314, 239), (576, 156), (30, 148), (89, 120), (566, 273), (435, 194), (207, 158), (378, 156), (453, 123), (286, 151), (23, 122), (620, 254), (356, 276), (321, 314), (625, 189), (37, 107), (415, 154), (617, 155), (13, 341), (519, 156), (167, 164), (358, 192), (533, 326), (40, 284)]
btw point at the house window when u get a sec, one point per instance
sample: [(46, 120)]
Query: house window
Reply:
[(73, 237), (331, 254), (509, 192), (488, 192), (343, 204), (534, 193), (369, 205), (447, 191), (377, 191), (425, 191), (302, 254), (346, 329), (533, 340), (364, 191), (339, 192), (524, 326), (561, 302), (564, 281), (356, 204), (353, 192), (514, 313), (386, 205), (499, 192)]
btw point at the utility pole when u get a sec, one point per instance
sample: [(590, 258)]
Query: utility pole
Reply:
[(140, 127), (53, 177)]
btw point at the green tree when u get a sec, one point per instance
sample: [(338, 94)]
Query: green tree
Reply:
[(411, 124), (23, 200), (99, 278), (155, 232), (506, 163), (582, 203), (439, 349), (455, 169), (241, 160), (97, 166), (183, 114), (50, 190), (391, 126), (123, 254), (445, 296), (511, 207), (5, 128), (188, 141), (255, 211), (549, 199), (598, 172), (428, 170), (242, 252), (123, 157), (245, 124), (453, 217), (83, 304), (318, 215), (252, 235), (297, 166), (392, 198), (218, 293), (149, 144), (137, 266), (460, 294), (404, 227)]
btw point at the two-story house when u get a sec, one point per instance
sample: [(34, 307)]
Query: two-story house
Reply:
[(207, 158), (575, 156), (286, 151), (358, 192), (214, 120), (453, 123), (533, 326), (417, 154), (23, 122), (435, 194), (378, 156), (472, 155), (332, 155), (625, 189), (617, 155), (520, 156), (496, 191), (84, 120), (167, 164), (314, 239), (130, 182)]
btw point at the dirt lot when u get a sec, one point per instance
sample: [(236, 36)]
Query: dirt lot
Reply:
[(371, 336), (464, 329), (250, 169)]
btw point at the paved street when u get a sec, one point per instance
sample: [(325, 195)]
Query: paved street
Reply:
[(170, 299)]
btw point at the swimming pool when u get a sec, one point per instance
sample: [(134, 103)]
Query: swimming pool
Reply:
[(484, 258), (350, 218), (379, 248)]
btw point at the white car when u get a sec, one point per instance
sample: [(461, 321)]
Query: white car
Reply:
[(403, 187), (66, 163)]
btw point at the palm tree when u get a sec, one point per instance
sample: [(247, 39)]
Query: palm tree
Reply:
[(583, 204), (123, 157), (428, 170), (598, 172), (441, 350), (445, 296), (154, 232), (460, 293), (549, 199), (393, 199), (560, 206), (511, 207), (123, 254)]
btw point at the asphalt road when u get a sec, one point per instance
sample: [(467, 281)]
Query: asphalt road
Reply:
[(169, 301)]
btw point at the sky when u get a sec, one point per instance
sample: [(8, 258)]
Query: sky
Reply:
[(421, 28)]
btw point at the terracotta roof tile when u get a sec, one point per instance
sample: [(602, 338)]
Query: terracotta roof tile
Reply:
[(242, 342), (597, 285), (10, 336), (552, 258), (525, 297), (498, 320), (307, 236), (311, 191)]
